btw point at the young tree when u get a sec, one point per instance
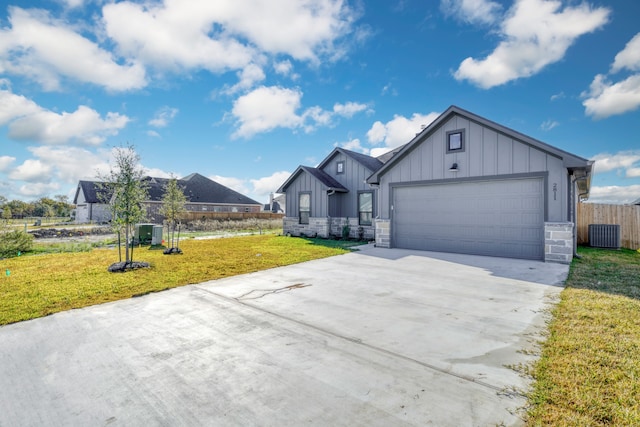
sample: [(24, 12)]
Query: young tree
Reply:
[(128, 192), (173, 206)]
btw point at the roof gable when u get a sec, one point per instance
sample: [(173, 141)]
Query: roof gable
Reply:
[(570, 161), (371, 163), (93, 191), (324, 178)]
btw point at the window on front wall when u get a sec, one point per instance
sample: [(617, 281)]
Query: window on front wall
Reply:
[(304, 207), (340, 167), (455, 141), (365, 208)]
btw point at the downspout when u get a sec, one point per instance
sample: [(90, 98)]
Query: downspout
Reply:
[(574, 206), (329, 220)]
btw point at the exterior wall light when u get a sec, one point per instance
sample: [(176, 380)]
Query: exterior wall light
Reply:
[(453, 168)]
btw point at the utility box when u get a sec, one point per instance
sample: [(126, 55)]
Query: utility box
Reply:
[(156, 238), (143, 233)]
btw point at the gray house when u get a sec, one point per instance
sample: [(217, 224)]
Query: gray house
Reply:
[(464, 184), (331, 196)]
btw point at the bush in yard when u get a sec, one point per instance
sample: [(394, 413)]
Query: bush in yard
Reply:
[(14, 241)]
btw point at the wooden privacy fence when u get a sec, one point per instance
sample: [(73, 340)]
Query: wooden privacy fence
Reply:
[(626, 216)]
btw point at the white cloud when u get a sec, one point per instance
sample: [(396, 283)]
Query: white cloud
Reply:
[(163, 116), (174, 35), (614, 194), (629, 57), (398, 131), (349, 109), (549, 124), (5, 162), (557, 96), (153, 134), (39, 189), (632, 173), (472, 11), (226, 35), (32, 171), (605, 162), (248, 78), (262, 187), (604, 98), (536, 33), (71, 164), (45, 50), (269, 107), (283, 67), (83, 126), (265, 109), (14, 106)]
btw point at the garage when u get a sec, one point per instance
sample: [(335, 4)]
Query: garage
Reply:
[(502, 217)]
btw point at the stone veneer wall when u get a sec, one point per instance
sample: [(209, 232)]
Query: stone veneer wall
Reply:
[(338, 223), (325, 227), (558, 242), (383, 233)]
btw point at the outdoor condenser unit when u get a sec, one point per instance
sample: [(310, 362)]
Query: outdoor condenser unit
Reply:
[(604, 236)]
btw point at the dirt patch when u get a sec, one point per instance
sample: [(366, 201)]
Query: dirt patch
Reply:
[(59, 235)]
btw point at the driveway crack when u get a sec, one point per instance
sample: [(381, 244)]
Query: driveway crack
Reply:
[(263, 292)]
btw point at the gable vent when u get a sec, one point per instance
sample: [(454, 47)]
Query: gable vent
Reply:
[(604, 236)]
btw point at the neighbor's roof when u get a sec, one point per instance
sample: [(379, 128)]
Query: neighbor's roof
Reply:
[(199, 189), (325, 179), (570, 161), (94, 192)]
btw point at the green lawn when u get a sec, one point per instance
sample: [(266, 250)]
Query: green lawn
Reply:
[(38, 285), (589, 370)]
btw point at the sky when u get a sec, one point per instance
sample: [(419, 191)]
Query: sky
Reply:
[(245, 91)]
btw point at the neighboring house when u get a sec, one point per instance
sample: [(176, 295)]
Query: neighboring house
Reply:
[(464, 184), (276, 204), (636, 202), (90, 203), (203, 195)]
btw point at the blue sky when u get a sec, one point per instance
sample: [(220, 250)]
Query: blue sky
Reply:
[(244, 91)]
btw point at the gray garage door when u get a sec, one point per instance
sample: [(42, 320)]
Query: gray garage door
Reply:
[(498, 218)]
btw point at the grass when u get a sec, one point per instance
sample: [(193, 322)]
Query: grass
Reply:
[(589, 370), (39, 285)]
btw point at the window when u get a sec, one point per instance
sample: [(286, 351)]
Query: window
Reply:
[(340, 167), (365, 208), (455, 141), (304, 207)]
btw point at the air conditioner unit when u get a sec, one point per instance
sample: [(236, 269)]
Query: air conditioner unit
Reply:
[(604, 236)]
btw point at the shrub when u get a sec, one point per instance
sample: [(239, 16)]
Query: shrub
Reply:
[(14, 241)]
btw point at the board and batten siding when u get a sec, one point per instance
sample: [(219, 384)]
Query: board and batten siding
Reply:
[(306, 183), (487, 153), (353, 178)]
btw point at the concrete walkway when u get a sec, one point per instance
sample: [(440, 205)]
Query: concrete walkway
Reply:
[(378, 337)]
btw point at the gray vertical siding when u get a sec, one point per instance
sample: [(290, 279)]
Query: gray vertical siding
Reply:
[(487, 153), (307, 183), (353, 178)]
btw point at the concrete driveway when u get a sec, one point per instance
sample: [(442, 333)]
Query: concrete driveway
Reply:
[(375, 337)]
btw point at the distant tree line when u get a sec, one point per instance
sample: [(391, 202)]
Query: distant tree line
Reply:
[(44, 207)]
